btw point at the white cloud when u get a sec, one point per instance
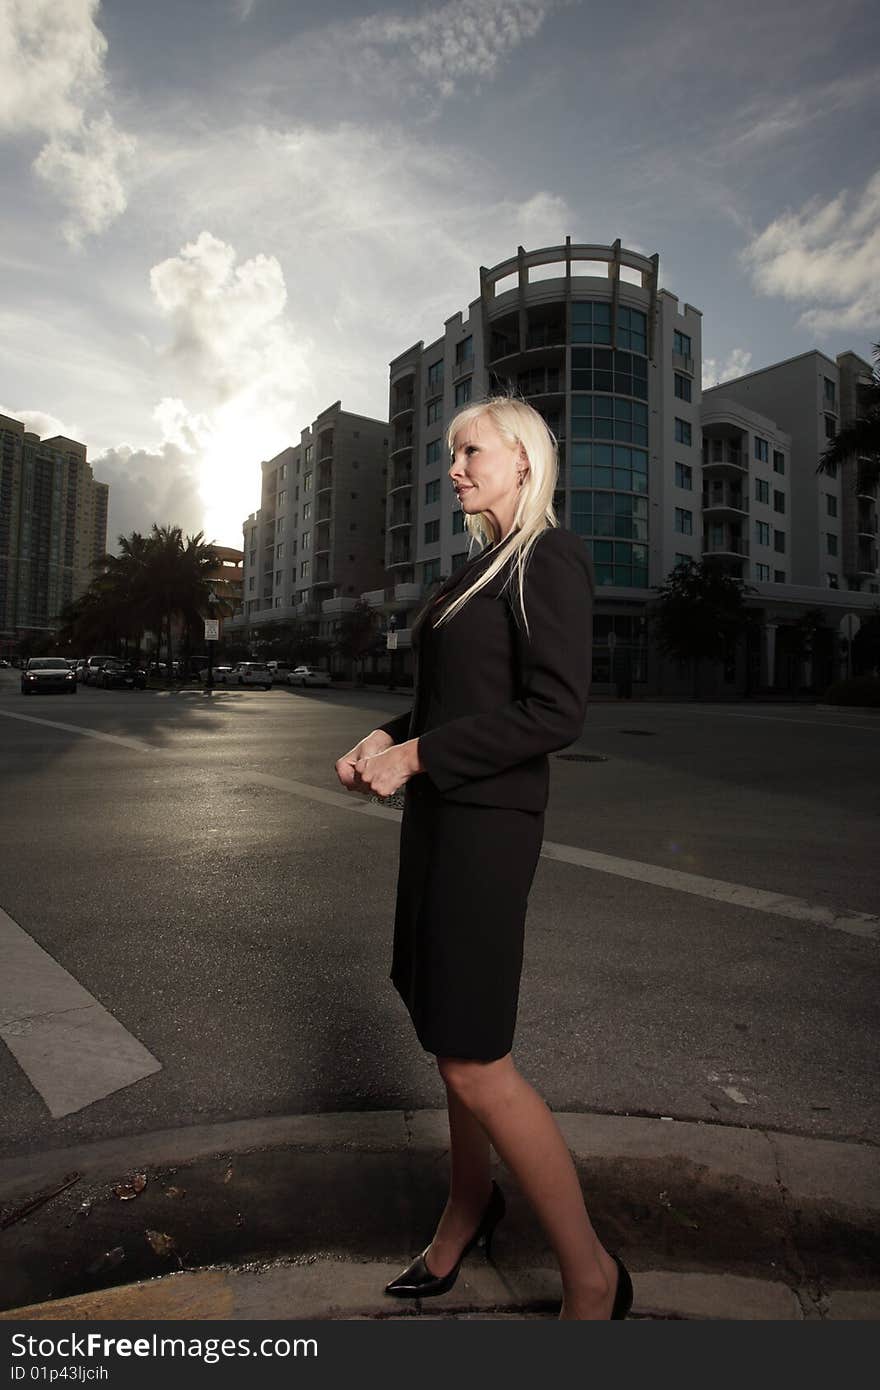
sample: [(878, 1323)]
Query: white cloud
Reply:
[(826, 254), (716, 369), (463, 38), (160, 485), (39, 422), (54, 85)]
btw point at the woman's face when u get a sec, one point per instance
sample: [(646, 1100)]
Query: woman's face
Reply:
[(484, 473)]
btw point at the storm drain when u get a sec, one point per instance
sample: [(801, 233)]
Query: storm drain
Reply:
[(581, 757), (648, 733)]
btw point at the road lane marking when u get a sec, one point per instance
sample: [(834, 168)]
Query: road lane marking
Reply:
[(718, 890), (864, 924), (71, 1049), (134, 743)]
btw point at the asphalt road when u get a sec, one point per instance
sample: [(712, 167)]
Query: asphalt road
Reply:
[(205, 878)]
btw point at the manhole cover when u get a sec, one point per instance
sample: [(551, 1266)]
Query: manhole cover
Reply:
[(581, 757), (648, 733)]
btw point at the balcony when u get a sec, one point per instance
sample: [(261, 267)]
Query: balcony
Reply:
[(719, 456), (725, 501), (402, 405), (400, 477), (682, 363), (867, 526), (732, 546), (325, 479), (403, 518), (375, 598), (334, 607), (400, 441)]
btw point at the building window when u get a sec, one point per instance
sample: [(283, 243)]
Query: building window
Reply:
[(591, 323), (681, 559), (830, 504), (831, 543), (459, 560), (779, 542), (282, 497), (830, 427), (279, 551), (457, 523), (279, 526), (593, 369), (463, 391), (464, 352), (762, 449), (307, 510), (778, 462), (681, 343), (762, 490), (682, 387), (252, 584), (432, 453), (431, 571), (778, 500), (432, 532), (253, 535), (779, 576), (682, 431), (762, 532), (829, 393), (305, 569), (831, 581), (684, 522), (435, 376), (762, 572), (308, 453), (279, 576), (684, 476), (307, 540), (252, 558), (632, 330), (434, 411), (603, 417), (432, 491)]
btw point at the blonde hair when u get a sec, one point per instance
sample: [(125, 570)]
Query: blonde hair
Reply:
[(519, 425)]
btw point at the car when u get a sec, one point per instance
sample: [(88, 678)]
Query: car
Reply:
[(280, 671), (308, 675), (252, 673), (45, 673), (222, 675), (123, 674), (92, 667), (79, 668), (3, 661)]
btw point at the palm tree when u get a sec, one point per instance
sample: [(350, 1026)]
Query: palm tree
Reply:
[(860, 439), (699, 614)]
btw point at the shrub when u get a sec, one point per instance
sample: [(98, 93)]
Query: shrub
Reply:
[(858, 690)]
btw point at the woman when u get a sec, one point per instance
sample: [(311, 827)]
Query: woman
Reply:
[(503, 661)]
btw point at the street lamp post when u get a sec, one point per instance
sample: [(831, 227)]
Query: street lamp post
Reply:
[(391, 644), (212, 632)]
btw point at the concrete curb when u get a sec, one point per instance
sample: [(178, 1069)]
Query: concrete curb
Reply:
[(308, 1217)]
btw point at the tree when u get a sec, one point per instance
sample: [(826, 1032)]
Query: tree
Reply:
[(699, 614), (356, 635), (860, 439)]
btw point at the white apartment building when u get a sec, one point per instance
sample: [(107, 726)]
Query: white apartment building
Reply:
[(316, 542)]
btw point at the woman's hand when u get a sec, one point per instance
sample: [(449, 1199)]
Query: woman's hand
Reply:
[(346, 766), (385, 773)]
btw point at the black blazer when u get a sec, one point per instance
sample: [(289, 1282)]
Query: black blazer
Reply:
[(492, 702)]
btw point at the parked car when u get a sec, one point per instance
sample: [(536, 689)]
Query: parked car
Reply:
[(79, 668), (280, 672), (92, 668), (122, 674), (3, 661), (308, 675), (45, 673), (253, 673), (223, 675)]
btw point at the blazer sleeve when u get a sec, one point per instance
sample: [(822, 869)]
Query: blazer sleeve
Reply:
[(555, 665), (398, 727)]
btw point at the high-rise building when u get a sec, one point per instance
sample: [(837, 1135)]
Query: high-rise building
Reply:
[(612, 362), (316, 542), (53, 526), (652, 470)]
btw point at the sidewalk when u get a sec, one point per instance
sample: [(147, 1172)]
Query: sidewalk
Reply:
[(307, 1217)]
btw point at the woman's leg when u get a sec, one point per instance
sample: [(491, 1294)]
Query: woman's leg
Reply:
[(470, 1186), (528, 1140)]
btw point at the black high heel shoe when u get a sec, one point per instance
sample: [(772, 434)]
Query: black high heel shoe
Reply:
[(417, 1281), (623, 1296)]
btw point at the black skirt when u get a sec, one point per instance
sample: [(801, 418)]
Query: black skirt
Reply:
[(462, 892)]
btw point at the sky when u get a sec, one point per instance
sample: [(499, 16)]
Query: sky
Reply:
[(221, 216)]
